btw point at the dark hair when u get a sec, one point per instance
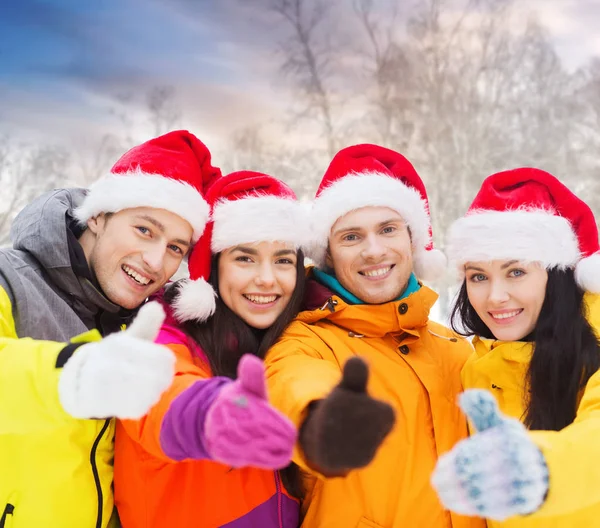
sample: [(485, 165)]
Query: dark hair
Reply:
[(225, 338), (566, 351)]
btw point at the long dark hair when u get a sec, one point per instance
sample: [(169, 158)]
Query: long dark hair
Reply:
[(225, 338), (566, 351)]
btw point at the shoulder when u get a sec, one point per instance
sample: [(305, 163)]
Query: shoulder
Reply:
[(447, 339)]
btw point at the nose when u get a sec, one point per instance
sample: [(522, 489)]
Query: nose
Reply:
[(154, 257), (265, 276), (498, 292), (373, 247)]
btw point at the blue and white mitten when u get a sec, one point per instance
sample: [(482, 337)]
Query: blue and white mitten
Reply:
[(496, 473)]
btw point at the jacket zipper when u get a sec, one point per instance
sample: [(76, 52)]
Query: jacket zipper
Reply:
[(279, 505), (95, 471), (8, 510)]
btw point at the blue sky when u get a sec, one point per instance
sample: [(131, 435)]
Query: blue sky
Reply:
[(61, 61)]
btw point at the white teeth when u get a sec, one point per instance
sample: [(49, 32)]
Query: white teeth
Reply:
[(261, 299), (135, 275), (377, 272), (506, 315)]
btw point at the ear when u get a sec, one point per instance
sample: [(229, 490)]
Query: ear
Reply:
[(96, 223)]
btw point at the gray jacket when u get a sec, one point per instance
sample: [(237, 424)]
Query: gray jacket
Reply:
[(50, 301)]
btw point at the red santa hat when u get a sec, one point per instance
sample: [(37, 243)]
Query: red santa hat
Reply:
[(527, 214), (370, 175), (247, 207), (168, 172)]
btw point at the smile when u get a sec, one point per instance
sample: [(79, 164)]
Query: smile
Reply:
[(140, 279), (506, 315), (261, 299), (378, 272)]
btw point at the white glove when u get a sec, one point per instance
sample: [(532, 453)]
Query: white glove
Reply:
[(121, 376)]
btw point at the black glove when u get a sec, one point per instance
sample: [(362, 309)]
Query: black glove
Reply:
[(344, 430)]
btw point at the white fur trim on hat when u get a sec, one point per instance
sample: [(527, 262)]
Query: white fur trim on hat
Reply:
[(363, 190), (587, 273), (258, 219), (532, 235), (195, 300), (137, 189), (429, 265)]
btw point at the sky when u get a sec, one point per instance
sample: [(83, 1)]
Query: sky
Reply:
[(63, 62)]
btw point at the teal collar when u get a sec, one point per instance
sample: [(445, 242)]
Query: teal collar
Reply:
[(334, 285)]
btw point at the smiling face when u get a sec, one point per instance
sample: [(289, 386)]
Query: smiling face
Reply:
[(256, 281), (134, 252), (370, 253), (507, 295)]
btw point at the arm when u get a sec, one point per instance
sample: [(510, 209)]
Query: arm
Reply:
[(574, 480), (44, 384), (29, 398), (203, 418), (341, 426)]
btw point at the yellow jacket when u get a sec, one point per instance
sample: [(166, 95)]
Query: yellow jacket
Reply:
[(55, 471), (571, 454), (415, 366)]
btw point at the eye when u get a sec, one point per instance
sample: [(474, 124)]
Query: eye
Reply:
[(388, 229), (143, 230), (477, 277), (176, 249), (243, 258), (350, 237), (285, 260), (517, 273)]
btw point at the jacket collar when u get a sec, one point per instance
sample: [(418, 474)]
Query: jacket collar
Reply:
[(370, 320)]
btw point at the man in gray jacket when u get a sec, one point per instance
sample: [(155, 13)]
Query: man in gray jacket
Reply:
[(82, 262)]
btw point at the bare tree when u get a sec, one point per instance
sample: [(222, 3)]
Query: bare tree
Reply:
[(26, 172), (309, 59), (162, 108)]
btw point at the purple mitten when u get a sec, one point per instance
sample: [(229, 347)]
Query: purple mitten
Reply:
[(242, 429)]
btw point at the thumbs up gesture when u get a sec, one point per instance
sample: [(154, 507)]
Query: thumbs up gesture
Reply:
[(241, 427), (344, 430), (496, 473), (123, 375)]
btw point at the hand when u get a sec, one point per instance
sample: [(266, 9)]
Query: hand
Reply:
[(344, 430), (496, 473), (242, 428), (123, 375)]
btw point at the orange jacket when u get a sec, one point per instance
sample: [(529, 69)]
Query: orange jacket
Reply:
[(155, 491), (415, 366)]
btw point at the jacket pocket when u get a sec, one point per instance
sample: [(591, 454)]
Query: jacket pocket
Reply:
[(7, 515), (366, 523)]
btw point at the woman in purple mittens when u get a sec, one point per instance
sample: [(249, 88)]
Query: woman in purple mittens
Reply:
[(211, 453)]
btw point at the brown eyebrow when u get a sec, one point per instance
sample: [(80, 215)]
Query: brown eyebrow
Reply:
[(504, 266), (356, 228), (283, 252), (161, 228), (508, 264), (252, 251), (245, 249), (475, 268)]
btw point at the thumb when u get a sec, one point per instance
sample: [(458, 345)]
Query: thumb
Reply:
[(148, 322), (356, 375), (481, 408), (251, 375)]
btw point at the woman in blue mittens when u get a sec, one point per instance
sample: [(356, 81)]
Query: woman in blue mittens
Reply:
[(528, 249)]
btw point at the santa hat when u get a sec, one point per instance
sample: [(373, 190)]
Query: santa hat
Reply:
[(168, 172), (370, 175), (247, 207), (527, 214)]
